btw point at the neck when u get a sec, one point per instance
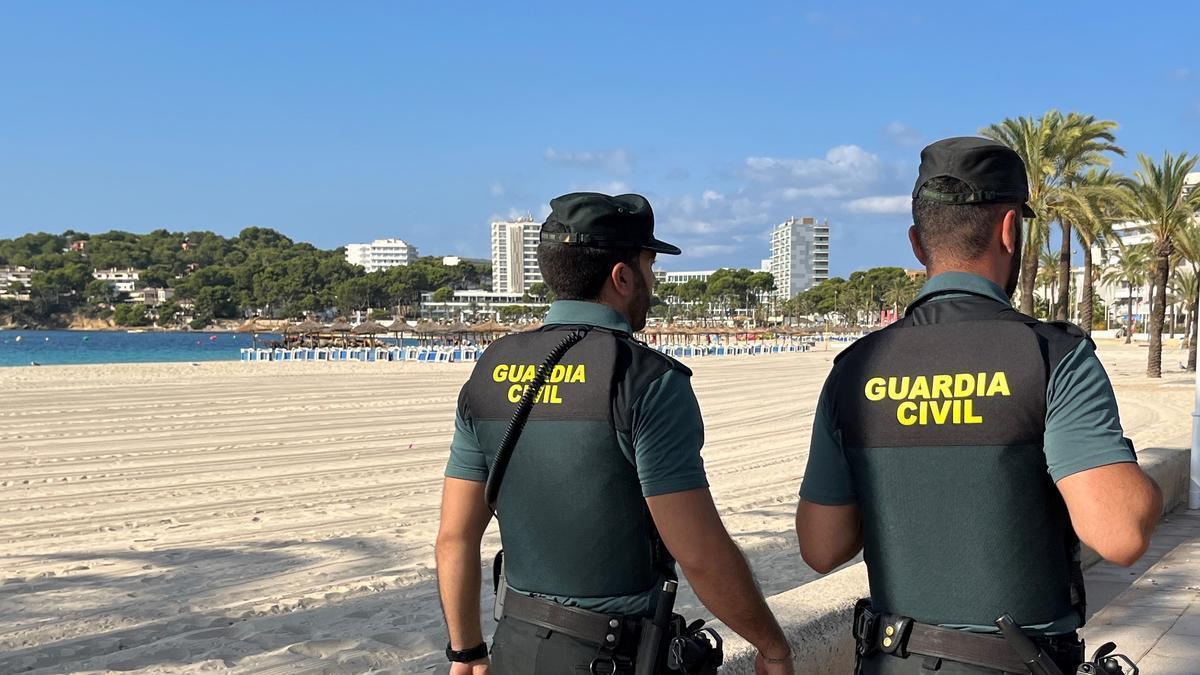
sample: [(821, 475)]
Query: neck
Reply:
[(608, 301), (976, 267)]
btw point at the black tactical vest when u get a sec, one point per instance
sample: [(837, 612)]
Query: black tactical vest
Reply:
[(942, 416), (573, 521)]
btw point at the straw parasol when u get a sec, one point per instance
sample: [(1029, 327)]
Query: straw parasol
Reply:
[(308, 327), (490, 327), (341, 326), (533, 326), (370, 328)]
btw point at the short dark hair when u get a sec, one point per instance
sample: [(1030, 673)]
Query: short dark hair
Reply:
[(958, 231), (579, 272)]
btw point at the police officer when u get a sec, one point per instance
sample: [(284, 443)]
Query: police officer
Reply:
[(605, 488), (968, 448)]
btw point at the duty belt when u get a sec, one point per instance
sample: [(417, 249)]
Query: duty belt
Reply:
[(594, 628), (900, 636)]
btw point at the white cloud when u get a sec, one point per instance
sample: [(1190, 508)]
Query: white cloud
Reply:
[(844, 170), (819, 192), (617, 161), (1182, 73), (903, 135), (497, 189), (711, 196), (880, 204)]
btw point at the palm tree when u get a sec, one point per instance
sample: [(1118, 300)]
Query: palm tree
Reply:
[(1081, 143), (1187, 243), (1056, 149), (1094, 204), (1128, 267), (1155, 197)]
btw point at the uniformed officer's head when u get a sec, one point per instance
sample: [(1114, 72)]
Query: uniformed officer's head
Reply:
[(600, 248), (968, 204)]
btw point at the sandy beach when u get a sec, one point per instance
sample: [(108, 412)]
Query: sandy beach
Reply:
[(280, 518)]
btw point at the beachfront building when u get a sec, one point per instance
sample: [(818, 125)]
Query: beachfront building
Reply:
[(122, 281), (152, 297), (14, 282), (665, 277), (799, 255), (381, 254), (514, 255), (475, 305)]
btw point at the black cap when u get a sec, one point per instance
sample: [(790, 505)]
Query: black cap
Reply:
[(600, 221), (993, 171)]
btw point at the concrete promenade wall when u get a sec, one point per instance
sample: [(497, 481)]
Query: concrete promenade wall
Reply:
[(816, 616)]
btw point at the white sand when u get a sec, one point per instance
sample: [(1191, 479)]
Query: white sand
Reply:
[(279, 518)]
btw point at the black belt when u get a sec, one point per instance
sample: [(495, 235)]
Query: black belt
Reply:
[(592, 627), (901, 636)]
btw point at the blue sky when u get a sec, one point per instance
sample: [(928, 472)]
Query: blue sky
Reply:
[(349, 121)]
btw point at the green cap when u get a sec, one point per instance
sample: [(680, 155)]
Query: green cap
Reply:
[(993, 171), (600, 221)]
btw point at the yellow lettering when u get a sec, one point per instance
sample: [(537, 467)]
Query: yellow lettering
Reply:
[(528, 374), (969, 416), (559, 372), (906, 420), (898, 388), (964, 385), (500, 373), (876, 389), (942, 386), (515, 392), (578, 375), (920, 387), (999, 385), (923, 413), (941, 411), (957, 411)]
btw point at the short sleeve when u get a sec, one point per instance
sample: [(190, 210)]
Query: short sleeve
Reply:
[(827, 478), (466, 456), (667, 435), (1083, 427)]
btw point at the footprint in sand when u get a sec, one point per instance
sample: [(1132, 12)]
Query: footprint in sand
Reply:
[(321, 649)]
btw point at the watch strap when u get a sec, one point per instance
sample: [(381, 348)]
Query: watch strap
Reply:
[(475, 653)]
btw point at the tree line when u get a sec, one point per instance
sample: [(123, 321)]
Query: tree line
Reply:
[(259, 272)]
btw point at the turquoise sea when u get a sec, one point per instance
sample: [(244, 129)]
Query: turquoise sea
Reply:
[(57, 347), (60, 347)]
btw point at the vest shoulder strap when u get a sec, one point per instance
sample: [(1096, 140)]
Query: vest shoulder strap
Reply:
[(638, 366)]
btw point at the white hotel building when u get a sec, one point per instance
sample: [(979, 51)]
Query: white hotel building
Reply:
[(799, 255), (381, 254), (514, 255)]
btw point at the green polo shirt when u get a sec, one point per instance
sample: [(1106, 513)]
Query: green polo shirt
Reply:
[(663, 444), (1083, 427)]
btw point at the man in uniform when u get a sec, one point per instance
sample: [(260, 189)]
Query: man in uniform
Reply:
[(968, 448), (605, 489)]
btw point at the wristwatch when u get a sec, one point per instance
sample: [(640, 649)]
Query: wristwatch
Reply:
[(467, 655)]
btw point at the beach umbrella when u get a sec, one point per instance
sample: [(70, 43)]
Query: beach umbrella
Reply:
[(532, 326), (341, 326), (370, 328), (398, 327)]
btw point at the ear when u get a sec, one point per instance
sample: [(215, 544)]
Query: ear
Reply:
[(621, 277), (916, 246), (1010, 232)]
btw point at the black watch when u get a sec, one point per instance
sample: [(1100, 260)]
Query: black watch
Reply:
[(467, 655)]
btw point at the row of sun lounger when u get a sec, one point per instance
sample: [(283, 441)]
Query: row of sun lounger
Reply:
[(470, 354), (418, 354)]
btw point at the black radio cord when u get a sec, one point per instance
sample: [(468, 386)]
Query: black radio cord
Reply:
[(524, 407)]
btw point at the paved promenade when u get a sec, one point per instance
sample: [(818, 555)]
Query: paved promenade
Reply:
[(1152, 610)]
